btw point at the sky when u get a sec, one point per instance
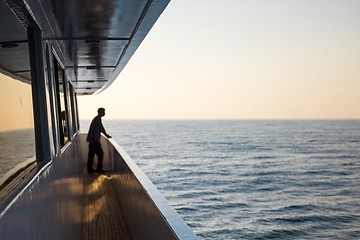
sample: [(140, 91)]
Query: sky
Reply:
[(16, 104), (242, 59)]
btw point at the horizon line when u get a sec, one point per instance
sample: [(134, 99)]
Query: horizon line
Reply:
[(226, 119)]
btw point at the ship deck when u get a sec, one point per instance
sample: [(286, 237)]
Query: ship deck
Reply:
[(102, 215), (63, 201)]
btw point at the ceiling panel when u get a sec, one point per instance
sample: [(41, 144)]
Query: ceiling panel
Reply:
[(93, 39), (93, 74), (99, 52)]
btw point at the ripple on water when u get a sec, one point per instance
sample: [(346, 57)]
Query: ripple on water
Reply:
[(253, 179)]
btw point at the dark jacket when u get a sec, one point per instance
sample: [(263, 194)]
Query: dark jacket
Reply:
[(95, 129)]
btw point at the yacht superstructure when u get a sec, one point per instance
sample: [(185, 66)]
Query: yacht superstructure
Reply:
[(50, 53)]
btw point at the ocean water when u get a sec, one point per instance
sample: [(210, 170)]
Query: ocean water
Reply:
[(252, 179), (16, 147)]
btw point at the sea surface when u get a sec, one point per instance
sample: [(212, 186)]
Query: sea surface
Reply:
[(16, 147), (253, 179), (241, 179)]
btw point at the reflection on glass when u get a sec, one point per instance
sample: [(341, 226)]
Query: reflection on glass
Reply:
[(61, 96), (17, 139)]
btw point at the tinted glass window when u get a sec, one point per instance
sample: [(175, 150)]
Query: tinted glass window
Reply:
[(17, 138), (62, 107)]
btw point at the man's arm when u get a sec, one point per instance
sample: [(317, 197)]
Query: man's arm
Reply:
[(102, 129)]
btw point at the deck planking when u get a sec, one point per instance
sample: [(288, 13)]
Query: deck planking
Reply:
[(102, 217)]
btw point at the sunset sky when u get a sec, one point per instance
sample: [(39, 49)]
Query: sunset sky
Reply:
[(15, 104), (237, 59)]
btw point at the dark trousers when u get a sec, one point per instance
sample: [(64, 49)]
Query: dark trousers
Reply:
[(95, 148)]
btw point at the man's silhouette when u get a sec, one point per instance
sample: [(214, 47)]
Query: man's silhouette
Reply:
[(93, 138)]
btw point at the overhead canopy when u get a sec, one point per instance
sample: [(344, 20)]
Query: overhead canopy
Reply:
[(93, 39)]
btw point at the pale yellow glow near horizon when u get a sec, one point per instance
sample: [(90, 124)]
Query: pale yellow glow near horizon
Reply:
[(242, 60), (15, 104)]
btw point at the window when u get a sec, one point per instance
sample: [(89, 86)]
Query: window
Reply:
[(52, 100), (62, 103), (17, 138), (73, 106)]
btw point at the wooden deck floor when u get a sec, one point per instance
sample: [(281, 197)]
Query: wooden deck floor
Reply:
[(102, 218)]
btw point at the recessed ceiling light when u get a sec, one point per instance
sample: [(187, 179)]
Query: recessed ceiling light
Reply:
[(92, 41), (90, 67), (9, 45)]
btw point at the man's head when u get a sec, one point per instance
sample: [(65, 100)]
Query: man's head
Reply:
[(101, 112)]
